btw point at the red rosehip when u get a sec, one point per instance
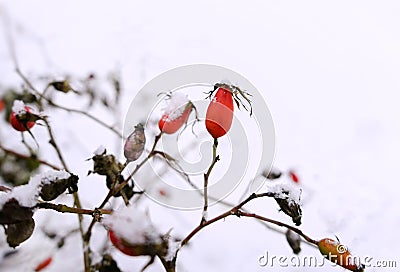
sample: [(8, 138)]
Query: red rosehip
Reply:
[(220, 113), (21, 121)]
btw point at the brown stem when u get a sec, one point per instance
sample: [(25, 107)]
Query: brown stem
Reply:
[(85, 113), (180, 171), (169, 266), (206, 176), (113, 191), (22, 156), (66, 209), (278, 223), (54, 144), (237, 211), (75, 195)]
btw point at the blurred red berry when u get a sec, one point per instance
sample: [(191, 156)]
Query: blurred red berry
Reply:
[(1, 105), (21, 121), (122, 245), (44, 264), (294, 176)]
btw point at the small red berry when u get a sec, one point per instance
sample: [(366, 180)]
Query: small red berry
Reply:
[(1, 105), (20, 121), (176, 114), (44, 264), (294, 177), (122, 245), (163, 192)]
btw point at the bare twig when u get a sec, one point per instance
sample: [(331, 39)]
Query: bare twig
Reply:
[(23, 156), (51, 103), (52, 140), (66, 209), (114, 190), (278, 223), (238, 212), (215, 158)]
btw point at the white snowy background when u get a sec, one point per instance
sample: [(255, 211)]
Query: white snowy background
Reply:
[(329, 71)]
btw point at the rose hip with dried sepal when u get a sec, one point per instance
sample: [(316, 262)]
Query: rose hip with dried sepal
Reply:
[(219, 114)]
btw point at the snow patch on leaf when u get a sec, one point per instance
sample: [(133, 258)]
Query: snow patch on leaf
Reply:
[(286, 191), (51, 176), (27, 195)]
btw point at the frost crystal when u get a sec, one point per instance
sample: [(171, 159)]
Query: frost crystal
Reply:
[(133, 226), (175, 105)]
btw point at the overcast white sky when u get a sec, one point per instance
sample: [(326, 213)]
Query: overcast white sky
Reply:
[(328, 70)]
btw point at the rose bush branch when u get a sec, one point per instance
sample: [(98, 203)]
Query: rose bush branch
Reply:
[(54, 144), (52, 103), (26, 157), (230, 212), (151, 242), (215, 159), (176, 167), (240, 213), (66, 209), (113, 191)]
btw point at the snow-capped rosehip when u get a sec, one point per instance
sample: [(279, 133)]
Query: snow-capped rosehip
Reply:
[(132, 233), (21, 118), (134, 144), (220, 113), (175, 114), (122, 245)]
